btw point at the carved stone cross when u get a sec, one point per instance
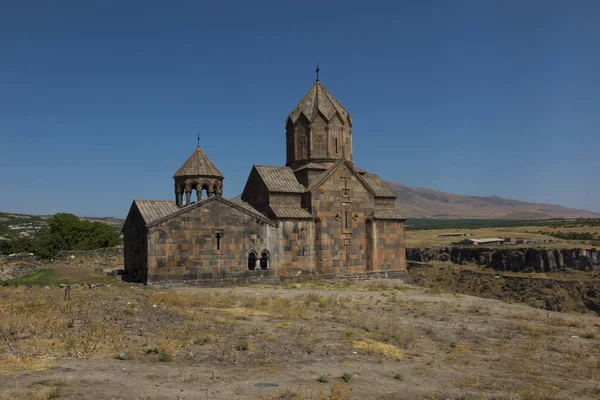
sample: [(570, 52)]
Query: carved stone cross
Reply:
[(346, 177)]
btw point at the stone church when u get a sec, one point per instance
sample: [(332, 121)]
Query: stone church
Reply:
[(318, 214)]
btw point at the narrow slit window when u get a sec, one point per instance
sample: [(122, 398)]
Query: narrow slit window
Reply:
[(218, 237), (346, 218)]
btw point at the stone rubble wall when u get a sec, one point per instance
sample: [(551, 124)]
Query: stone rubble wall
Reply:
[(517, 260)]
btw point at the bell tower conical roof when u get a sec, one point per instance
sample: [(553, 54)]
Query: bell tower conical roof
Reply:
[(198, 164), (197, 174)]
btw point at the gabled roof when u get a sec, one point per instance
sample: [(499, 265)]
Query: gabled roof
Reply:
[(360, 170), (246, 210), (311, 166), (279, 179), (289, 212), (247, 206), (198, 164), (388, 213), (378, 186), (152, 210), (325, 175), (318, 99)]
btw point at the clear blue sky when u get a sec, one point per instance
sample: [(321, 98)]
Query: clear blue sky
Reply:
[(101, 102)]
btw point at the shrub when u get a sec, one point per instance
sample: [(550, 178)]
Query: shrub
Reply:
[(323, 379), (164, 357), (152, 349), (123, 356), (346, 377), (398, 377), (242, 344)]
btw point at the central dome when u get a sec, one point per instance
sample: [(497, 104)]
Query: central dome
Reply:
[(318, 130)]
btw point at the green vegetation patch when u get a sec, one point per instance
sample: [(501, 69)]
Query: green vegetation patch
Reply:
[(430, 223), (44, 276)]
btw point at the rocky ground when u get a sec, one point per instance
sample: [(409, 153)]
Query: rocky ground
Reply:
[(566, 291), (379, 339)]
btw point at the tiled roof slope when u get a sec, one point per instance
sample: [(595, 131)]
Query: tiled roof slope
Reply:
[(237, 205), (318, 99), (378, 186), (245, 205), (198, 164), (312, 166), (388, 213), (287, 211), (152, 210), (279, 179)]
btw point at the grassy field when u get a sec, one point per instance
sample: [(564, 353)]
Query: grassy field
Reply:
[(431, 238), (312, 340), (56, 276)]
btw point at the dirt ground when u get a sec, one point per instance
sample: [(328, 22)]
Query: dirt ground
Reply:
[(379, 339)]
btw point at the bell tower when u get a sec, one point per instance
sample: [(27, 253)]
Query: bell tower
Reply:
[(318, 130), (198, 174)]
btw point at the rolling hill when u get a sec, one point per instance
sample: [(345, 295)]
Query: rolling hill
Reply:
[(415, 202)]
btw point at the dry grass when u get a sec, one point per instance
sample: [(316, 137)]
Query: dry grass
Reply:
[(468, 344), (376, 348)]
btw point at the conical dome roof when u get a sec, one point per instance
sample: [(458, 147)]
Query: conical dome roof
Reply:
[(198, 164), (318, 99)]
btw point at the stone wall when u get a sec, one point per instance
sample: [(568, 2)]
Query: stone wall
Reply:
[(187, 247), (256, 190), (297, 247), (516, 259), (340, 241), (389, 241)]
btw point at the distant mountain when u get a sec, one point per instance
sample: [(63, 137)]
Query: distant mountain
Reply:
[(415, 202)]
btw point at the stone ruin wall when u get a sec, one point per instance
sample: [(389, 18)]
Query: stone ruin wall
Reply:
[(517, 260)]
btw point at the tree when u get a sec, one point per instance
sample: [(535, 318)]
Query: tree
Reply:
[(64, 232)]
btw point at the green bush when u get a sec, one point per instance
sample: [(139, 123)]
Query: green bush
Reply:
[(242, 345), (164, 357), (17, 245)]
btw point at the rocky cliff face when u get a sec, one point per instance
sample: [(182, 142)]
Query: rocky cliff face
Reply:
[(549, 294), (518, 260)]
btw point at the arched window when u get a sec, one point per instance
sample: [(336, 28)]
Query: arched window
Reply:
[(264, 260), (252, 258)]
